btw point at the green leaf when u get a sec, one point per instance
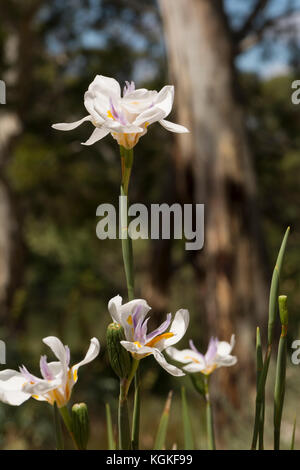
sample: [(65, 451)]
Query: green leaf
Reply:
[(273, 299), (163, 425), (187, 425)]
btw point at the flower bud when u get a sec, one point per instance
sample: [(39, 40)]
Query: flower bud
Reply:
[(80, 425), (283, 310), (119, 358)]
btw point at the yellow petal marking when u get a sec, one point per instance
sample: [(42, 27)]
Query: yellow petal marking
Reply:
[(155, 340), (129, 319), (109, 114), (192, 359)]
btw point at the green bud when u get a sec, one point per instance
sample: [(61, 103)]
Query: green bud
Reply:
[(283, 311), (119, 358), (80, 425)]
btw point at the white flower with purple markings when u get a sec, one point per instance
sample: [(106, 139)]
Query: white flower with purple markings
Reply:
[(125, 117), (57, 381), (140, 343), (218, 355)]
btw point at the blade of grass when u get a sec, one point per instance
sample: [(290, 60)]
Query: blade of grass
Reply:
[(260, 396), (279, 390), (293, 435), (163, 425), (187, 425), (110, 434), (259, 367)]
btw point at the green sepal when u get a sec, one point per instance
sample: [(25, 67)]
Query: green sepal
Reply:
[(199, 383)]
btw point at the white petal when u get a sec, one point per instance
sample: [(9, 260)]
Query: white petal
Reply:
[(56, 369), (116, 126), (105, 85), (226, 361), (149, 116), (134, 348), (172, 127), (13, 398), (225, 348), (60, 352), (139, 101), (97, 134), (165, 99), (178, 328), (91, 354), (185, 355), (64, 126), (121, 313), (57, 347), (193, 367), (165, 365), (42, 387), (11, 387), (97, 106), (114, 308)]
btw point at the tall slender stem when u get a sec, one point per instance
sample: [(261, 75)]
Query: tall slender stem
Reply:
[(136, 413), (68, 423), (126, 165), (58, 428), (209, 418), (123, 418)]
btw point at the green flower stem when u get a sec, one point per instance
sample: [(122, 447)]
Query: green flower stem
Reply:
[(209, 418), (126, 165), (123, 418), (136, 413), (58, 428), (68, 423)]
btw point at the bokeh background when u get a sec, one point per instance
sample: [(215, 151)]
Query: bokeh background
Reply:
[(233, 64)]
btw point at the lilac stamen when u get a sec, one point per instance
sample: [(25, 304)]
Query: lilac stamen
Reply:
[(25, 372), (128, 88), (212, 349), (193, 347), (118, 116), (161, 329), (141, 330), (46, 373), (136, 316)]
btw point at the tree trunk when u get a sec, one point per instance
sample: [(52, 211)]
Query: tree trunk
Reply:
[(216, 153)]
